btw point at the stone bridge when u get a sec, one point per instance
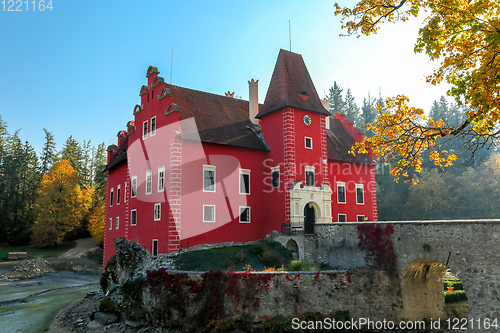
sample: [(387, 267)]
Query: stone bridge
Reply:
[(420, 253)]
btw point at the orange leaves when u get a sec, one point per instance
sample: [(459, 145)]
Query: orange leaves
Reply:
[(465, 37), (60, 205), (401, 135)]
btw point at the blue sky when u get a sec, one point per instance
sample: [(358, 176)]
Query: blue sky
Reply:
[(77, 70)]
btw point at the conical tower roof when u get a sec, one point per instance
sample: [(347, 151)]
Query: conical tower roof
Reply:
[(291, 86)]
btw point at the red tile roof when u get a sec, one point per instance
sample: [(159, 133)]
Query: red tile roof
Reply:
[(339, 141), (219, 119), (291, 86)]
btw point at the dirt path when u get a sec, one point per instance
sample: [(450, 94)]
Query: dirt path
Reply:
[(82, 246)]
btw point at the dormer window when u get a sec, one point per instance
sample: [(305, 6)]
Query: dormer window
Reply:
[(309, 172)]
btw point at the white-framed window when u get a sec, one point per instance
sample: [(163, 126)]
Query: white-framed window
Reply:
[(341, 192), (309, 172), (111, 197), (308, 142), (145, 130), (118, 193), (117, 222), (275, 176), (244, 214), (125, 192), (157, 211), (360, 194), (209, 178), (244, 181), (110, 223), (161, 179), (133, 217), (208, 213), (153, 126), (360, 218), (149, 182), (342, 218), (133, 190), (154, 251)]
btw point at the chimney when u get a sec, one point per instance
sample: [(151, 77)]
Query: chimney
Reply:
[(253, 100), (229, 94), (326, 105)]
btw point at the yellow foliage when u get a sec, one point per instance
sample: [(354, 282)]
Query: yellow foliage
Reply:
[(464, 36), (96, 222), (60, 205)]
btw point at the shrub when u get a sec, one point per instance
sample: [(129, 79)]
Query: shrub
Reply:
[(132, 288), (454, 296), (107, 305), (241, 256), (258, 249), (303, 265)]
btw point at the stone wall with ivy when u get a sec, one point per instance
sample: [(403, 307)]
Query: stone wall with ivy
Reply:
[(191, 299)]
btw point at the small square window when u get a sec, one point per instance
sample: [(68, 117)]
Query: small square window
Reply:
[(342, 218), (145, 130), (134, 187), (244, 181), (153, 126), (361, 218), (133, 217), (157, 211), (209, 178), (117, 222), (308, 143), (360, 195), (275, 176), (341, 192), (244, 214), (208, 213)]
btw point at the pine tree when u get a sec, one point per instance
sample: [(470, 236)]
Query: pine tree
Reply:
[(335, 98), (351, 109), (49, 155), (72, 151), (368, 113)]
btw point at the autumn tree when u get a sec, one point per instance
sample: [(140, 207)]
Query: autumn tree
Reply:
[(60, 205), (97, 221), (464, 38)]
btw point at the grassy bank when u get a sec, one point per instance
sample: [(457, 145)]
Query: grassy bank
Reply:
[(34, 252)]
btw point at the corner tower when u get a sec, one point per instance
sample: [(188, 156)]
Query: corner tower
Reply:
[(293, 122)]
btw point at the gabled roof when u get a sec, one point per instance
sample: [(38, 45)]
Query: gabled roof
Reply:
[(339, 141), (120, 157), (219, 119), (291, 86)]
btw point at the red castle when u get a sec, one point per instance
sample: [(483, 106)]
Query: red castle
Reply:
[(194, 167)]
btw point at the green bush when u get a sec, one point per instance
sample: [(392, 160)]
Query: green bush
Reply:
[(303, 265), (132, 288), (454, 296), (107, 305)]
